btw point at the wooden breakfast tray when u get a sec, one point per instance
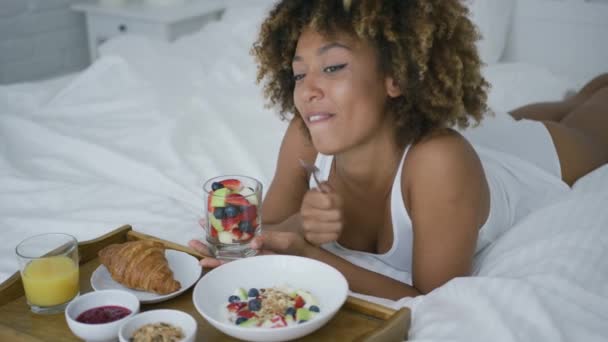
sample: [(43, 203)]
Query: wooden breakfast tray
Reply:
[(357, 320)]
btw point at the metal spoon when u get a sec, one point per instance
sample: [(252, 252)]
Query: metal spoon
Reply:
[(313, 170)]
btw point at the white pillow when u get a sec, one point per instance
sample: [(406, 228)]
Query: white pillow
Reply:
[(493, 19), (516, 84), (230, 37)]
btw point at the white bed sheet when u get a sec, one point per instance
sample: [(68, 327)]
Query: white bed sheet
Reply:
[(130, 140)]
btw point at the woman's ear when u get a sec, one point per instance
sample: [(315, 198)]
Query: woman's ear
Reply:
[(392, 88)]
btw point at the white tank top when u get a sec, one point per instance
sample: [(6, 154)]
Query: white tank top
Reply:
[(516, 188)]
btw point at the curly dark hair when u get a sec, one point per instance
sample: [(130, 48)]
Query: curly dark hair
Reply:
[(427, 46)]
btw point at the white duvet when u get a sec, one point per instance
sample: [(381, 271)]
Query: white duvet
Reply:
[(131, 139)]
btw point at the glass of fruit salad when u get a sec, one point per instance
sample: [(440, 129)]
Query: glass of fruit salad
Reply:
[(234, 215)]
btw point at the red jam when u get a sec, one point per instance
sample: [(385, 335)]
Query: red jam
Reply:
[(103, 314)]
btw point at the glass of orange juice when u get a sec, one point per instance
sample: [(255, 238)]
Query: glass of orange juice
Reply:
[(49, 271)]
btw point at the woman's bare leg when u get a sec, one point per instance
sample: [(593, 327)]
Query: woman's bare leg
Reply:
[(578, 154), (581, 138), (578, 127), (557, 111), (545, 111)]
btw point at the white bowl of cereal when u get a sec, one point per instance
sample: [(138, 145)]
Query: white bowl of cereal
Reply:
[(270, 297), (159, 325)]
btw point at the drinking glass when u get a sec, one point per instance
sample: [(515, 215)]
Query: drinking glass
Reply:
[(233, 215), (49, 271)]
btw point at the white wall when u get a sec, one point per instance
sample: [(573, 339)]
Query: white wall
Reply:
[(40, 39), (568, 37)]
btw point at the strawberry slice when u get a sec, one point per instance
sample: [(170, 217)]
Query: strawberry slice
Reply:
[(279, 322), (236, 232), (279, 319), (245, 313), (299, 302), (232, 184), (250, 213), (236, 306), (237, 199), (213, 232), (209, 206), (230, 223)]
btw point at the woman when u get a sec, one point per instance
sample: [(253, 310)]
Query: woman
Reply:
[(374, 88)]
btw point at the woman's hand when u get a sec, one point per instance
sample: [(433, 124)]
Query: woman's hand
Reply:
[(321, 215), (208, 261), (281, 242), (270, 242)]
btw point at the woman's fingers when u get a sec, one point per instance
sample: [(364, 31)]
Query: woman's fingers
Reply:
[(320, 200), (277, 242), (211, 262), (316, 227), (258, 244), (207, 261), (320, 215), (325, 187), (319, 239), (198, 246)]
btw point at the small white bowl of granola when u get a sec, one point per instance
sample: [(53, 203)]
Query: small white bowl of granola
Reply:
[(270, 297), (159, 325)]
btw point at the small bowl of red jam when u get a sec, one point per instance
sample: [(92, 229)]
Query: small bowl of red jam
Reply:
[(97, 316)]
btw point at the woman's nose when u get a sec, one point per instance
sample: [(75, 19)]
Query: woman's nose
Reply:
[(310, 88)]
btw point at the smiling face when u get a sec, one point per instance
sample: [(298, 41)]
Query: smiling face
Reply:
[(340, 92)]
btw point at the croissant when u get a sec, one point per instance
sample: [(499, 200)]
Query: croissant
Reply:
[(140, 265)]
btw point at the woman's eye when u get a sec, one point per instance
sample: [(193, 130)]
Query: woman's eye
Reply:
[(334, 68), (298, 77)]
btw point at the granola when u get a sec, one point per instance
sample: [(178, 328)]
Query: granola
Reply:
[(157, 332), (271, 307)]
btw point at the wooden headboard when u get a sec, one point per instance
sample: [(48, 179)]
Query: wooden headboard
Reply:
[(569, 37)]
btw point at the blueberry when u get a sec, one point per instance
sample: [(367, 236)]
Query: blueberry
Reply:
[(231, 211), (240, 320), (255, 305), (219, 213), (253, 292), (245, 227), (314, 308), (234, 299), (290, 311), (216, 186)]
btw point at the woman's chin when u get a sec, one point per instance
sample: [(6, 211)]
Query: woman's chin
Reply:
[(326, 146)]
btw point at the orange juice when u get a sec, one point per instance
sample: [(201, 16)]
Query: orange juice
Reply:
[(50, 281)]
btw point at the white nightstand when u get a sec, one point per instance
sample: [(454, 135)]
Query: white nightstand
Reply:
[(161, 22)]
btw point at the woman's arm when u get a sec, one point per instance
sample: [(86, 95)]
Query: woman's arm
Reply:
[(362, 280), (359, 279), (289, 184), (445, 188)]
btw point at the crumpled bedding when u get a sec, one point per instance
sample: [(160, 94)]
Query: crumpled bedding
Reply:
[(121, 144)]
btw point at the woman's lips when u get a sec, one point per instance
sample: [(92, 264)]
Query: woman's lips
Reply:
[(318, 118)]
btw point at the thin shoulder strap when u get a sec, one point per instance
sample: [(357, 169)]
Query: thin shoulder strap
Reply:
[(398, 212)]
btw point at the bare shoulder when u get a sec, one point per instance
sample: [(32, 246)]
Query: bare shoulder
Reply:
[(448, 201), (443, 166), (442, 148)]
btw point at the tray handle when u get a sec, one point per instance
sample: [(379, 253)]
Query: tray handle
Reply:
[(394, 329)]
